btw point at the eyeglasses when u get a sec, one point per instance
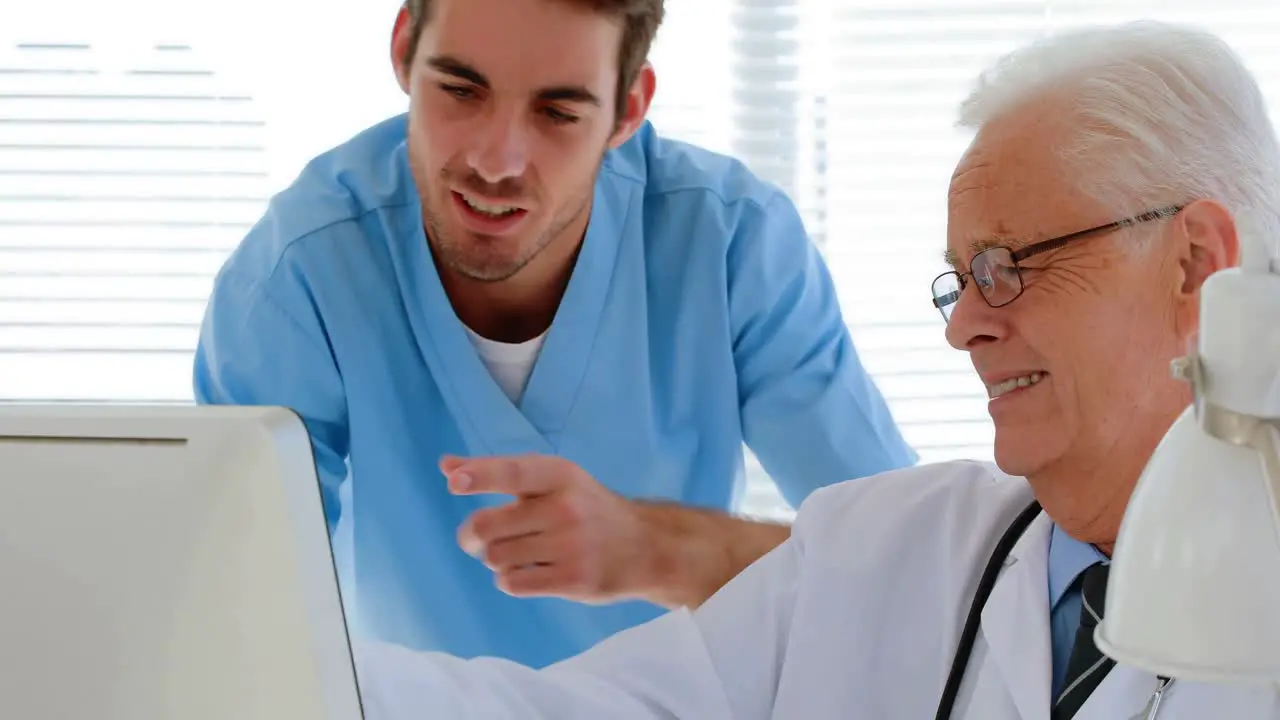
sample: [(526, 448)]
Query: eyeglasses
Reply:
[(996, 271)]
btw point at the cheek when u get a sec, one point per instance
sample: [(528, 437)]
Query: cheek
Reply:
[(423, 129), (435, 146), (1121, 356), (566, 166)]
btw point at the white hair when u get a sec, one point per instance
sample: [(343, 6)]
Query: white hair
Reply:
[(1163, 115)]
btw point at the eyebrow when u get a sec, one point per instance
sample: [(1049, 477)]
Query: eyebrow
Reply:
[(976, 246), (459, 69), (465, 71)]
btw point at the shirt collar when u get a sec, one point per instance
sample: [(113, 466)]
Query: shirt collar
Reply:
[(1068, 558)]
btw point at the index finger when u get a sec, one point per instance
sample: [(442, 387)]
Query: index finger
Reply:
[(523, 475)]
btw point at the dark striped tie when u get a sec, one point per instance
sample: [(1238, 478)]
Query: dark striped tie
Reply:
[(1087, 665)]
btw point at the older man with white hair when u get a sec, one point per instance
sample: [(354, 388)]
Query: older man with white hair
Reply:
[(1111, 172)]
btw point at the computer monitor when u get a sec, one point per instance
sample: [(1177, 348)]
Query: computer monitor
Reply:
[(166, 563)]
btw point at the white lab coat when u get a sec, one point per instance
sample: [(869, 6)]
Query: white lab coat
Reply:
[(856, 616)]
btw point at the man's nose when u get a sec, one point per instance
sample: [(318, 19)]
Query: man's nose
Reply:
[(973, 321), (500, 148)]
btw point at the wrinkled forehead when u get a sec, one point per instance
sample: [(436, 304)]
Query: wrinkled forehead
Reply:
[(991, 202), (1011, 188)]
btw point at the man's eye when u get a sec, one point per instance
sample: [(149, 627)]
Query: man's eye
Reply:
[(461, 92), (559, 117)]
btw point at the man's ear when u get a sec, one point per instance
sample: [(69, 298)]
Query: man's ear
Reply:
[(401, 37), (1206, 241), (1210, 243), (639, 98)]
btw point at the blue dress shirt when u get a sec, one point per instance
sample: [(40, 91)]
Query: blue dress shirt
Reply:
[(699, 316), (1068, 558)]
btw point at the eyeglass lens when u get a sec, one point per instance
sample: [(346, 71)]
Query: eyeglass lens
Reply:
[(996, 274)]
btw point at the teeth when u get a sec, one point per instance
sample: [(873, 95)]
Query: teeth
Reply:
[(997, 390), (486, 208)]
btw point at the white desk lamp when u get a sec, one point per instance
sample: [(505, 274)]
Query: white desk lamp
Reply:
[(1194, 589)]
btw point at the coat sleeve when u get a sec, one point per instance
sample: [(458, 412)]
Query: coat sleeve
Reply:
[(721, 662), (810, 411)]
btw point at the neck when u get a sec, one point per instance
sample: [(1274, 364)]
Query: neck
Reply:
[(1087, 497), (1087, 510), (522, 306)]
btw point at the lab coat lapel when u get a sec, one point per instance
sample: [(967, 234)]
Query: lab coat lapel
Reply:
[(1015, 623), (557, 377)]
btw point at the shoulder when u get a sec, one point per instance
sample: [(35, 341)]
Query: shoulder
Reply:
[(682, 177), (329, 198), (950, 500)]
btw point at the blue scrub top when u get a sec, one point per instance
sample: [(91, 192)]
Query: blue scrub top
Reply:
[(698, 317)]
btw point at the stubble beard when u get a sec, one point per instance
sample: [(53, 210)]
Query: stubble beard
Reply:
[(450, 249), (474, 265)]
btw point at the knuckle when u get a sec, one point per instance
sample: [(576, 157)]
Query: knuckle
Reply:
[(513, 467), (569, 511), (510, 583), (496, 556), (483, 525), (516, 581), (568, 549)]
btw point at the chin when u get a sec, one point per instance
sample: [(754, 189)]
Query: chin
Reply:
[(487, 268), (1020, 453), (477, 256)]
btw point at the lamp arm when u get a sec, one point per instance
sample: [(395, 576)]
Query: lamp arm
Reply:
[(1266, 440), (1233, 366), (1261, 434)]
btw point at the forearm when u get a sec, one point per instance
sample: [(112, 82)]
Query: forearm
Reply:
[(694, 552)]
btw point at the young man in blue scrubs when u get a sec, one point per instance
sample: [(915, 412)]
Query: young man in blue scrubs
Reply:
[(529, 338)]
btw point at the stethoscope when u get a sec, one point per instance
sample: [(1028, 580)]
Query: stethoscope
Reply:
[(969, 633)]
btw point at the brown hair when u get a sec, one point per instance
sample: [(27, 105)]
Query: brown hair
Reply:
[(640, 18)]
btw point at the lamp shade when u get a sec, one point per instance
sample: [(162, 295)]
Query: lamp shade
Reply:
[(1194, 588)]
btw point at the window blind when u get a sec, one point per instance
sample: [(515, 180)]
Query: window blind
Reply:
[(133, 157), (894, 75), (122, 188)]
